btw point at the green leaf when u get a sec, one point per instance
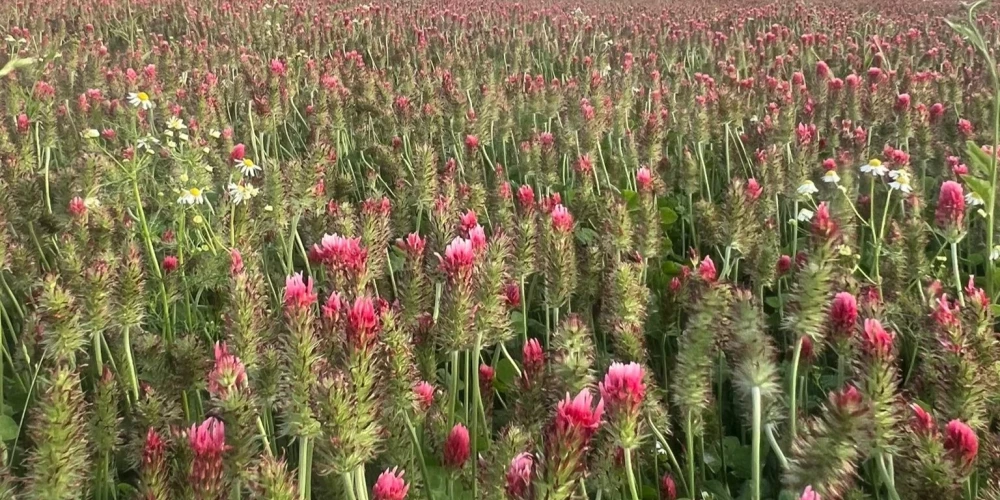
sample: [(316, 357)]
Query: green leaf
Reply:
[(631, 198), (717, 488), (586, 235), (978, 186), (506, 374), (667, 216), (8, 428), (978, 159)]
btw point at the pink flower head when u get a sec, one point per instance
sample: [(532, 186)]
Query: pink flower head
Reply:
[(965, 127), (459, 258), (471, 142), (584, 165), (170, 263), (413, 245), (342, 254), (668, 488), (976, 295), (754, 189), (534, 360), (362, 323), (477, 236), (486, 376), (238, 153), (578, 415), (208, 444), (228, 374), (425, 395), (526, 196), (961, 441), (77, 207), (299, 294), (822, 69), (278, 67), (936, 112), (902, 102), (467, 221), (847, 400), (877, 341), (623, 388), (456, 447), (562, 220), (809, 494), (707, 270), (235, 262), (922, 422), (390, 486), (332, 307), (945, 313), (843, 314), (644, 179), (519, 474), (154, 449), (951, 206)]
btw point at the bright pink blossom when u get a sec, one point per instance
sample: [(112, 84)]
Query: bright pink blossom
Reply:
[(170, 263), (754, 189), (519, 475), (229, 373), (238, 153), (459, 258), (425, 394), (644, 179), (390, 485), (961, 441), (707, 271), (951, 206), (208, 445), (623, 388), (456, 447), (922, 422), (299, 294), (809, 494), (77, 207), (843, 314), (876, 341), (562, 220), (533, 360), (668, 488)]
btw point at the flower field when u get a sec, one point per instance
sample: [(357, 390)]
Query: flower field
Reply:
[(485, 249)]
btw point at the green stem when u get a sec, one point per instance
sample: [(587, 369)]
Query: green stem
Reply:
[(304, 469), (631, 474), (886, 477), (453, 383), (755, 442), (420, 454), (954, 270), (348, 485), (793, 393), (477, 402), (769, 430), (689, 431)]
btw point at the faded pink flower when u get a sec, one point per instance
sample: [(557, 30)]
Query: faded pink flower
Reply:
[(754, 189), (809, 494), (876, 340), (707, 270), (425, 395), (228, 375), (519, 474), (922, 422), (644, 179), (533, 359)]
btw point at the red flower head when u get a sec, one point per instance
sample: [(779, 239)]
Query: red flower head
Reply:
[(534, 360), (153, 449), (843, 314), (945, 313), (170, 263), (227, 375), (468, 221), (278, 67), (623, 388), (526, 196), (829, 164), (456, 447), (668, 488), (390, 486), (425, 395), (578, 415), (512, 295), (332, 307), (562, 220), (413, 245), (936, 112), (458, 259), (846, 400), (644, 179), (342, 254), (238, 153), (823, 224), (584, 165), (77, 207), (902, 102), (299, 294), (486, 375), (23, 124), (362, 323), (922, 422), (707, 270), (961, 441), (809, 494), (951, 206), (876, 341), (519, 474), (784, 264), (754, 189)]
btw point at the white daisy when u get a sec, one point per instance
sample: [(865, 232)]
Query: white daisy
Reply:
[(242, 192), (175, 123), (248, 167), (192, 196), (901, 180), (215, 134), (91, 202), (90, 133), (148, 143), (807, 188), (874, 167), (140, 100), (805, 215), (831, 176), (973, 199)]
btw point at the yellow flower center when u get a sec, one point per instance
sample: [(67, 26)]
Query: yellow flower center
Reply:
[(875, 162), (142, 96), (195, 192), (247, 162)]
